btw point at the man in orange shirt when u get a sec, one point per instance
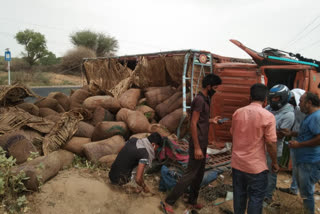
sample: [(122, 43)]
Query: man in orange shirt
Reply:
[(253, 130)]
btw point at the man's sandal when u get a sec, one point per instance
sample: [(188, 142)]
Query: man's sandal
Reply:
[(166, 209)]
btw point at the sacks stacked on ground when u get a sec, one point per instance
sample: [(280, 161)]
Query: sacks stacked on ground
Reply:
[(168, 107), (90, 123)]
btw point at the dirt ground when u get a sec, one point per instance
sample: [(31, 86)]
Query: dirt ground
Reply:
[(87, 191), (77, 191)]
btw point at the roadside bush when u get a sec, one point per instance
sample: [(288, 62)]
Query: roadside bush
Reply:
[(72, 60), (2, 64), (18, 64), (11, 185)]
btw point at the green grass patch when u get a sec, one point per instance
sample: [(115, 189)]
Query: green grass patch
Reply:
[(11, 185)]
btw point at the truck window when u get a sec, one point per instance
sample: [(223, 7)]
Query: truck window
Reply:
[(281, 76)]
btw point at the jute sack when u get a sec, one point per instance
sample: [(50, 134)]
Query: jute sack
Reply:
[(13, 118), (147, 111), (140, 135), (86, 113), (49, 103), (44, 112), (100, 114), (121, 87), (54, 117), (8, 138), (62, 99), (84, 130), (75, 145), (107, 129), (107, 160), (29, 107), (122, 115), (62, 132), (97, 116), (109, 116), (158, 95), (145, 70), (95, 89), (30, 134), (153, 121), (17, 146), (85, 87), (135, 120), (130, 98), (77, 98), (169, 105), (21, 150), (161, 129), (110, 103), (174, 67), (34, 137), (95, 150), (142, 101), (42, 168), (172, 120)]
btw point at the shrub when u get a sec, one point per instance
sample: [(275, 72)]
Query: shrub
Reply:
[(72, 60), (2, 64), (11, 185), (18, 64)]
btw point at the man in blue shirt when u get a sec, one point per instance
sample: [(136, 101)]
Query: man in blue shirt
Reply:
[(307, 149)]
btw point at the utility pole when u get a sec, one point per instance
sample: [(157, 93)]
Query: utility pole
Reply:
[(7, 57)]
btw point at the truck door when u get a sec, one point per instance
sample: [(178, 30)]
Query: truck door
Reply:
[(234, 93)]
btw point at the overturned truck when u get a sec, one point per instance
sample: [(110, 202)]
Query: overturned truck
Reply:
[(132, 96), (184, 71)]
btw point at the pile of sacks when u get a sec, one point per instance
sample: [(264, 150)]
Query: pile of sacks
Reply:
[(89, 122)]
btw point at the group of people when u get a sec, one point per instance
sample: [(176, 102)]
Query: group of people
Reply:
[(256, 129), (258, 135)]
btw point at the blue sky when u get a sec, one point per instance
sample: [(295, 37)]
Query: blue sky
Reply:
[(144, 26)]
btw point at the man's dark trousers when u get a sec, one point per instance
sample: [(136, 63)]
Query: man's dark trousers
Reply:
[(192, 177), (252, 186)]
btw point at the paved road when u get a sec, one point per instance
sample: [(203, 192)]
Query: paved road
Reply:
[(44, 91)]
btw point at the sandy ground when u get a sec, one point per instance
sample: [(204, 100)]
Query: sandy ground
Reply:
[(77, 191), (82, 191)]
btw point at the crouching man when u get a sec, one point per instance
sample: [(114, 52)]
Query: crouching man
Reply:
[(135, 153)]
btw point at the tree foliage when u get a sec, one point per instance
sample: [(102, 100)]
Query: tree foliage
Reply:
[(34, 44), (50, 59), (100, 43)]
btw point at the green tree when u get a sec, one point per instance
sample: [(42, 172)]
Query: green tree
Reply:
[(50, 59), (34, 45), (98, 42)]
